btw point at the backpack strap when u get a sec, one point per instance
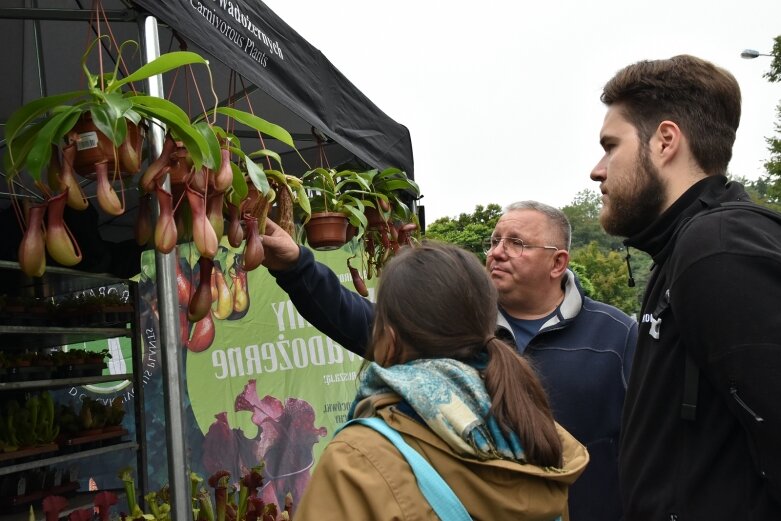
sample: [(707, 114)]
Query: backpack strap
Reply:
[(439, 495), (691, 383)]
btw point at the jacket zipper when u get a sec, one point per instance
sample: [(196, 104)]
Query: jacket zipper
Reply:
[(734, 392)]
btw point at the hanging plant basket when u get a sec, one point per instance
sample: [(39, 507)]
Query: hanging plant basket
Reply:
[(93, 146), (326, 230)]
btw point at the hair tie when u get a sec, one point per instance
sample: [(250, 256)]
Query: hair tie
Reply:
[(487, 340)]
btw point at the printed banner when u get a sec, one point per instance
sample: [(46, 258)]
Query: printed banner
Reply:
[(262, 383)]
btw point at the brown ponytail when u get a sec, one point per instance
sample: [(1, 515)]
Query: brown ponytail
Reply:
[(519, 404)]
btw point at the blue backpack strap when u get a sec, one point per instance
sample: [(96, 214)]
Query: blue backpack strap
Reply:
[(439, 495)]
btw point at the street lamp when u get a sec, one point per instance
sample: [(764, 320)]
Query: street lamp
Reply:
[(750, 54)]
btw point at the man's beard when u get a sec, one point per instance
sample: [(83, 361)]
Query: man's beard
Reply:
[(637, 203)]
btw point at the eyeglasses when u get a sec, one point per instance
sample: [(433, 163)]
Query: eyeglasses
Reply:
[(513, 246)]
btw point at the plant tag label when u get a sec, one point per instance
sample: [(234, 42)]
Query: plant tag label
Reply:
[(87, 140), (21, 486), (57, 477), (73, 473)]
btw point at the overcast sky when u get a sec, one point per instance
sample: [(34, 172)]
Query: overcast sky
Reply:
[(501, 98)]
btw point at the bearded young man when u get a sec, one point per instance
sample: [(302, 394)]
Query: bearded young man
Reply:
[(702, 423), (582, 349)]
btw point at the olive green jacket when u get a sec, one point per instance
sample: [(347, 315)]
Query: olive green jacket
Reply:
[(362, 476)]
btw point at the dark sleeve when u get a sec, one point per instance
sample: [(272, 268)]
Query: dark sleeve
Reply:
[(728, 302), (339, 313)]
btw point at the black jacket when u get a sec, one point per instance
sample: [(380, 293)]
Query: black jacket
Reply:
[(583, 356), (723, 273)]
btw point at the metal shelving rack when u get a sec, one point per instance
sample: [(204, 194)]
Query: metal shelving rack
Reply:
[(57, 282)]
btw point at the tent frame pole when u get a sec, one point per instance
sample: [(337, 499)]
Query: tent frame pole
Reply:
[(63, 15), (168, 308)]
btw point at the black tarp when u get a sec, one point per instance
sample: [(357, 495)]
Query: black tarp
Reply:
[(289, 82)]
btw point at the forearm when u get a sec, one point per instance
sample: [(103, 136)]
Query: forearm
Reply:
[(315, 290)]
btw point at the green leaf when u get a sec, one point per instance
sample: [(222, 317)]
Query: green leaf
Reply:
[(264, 152), (258, 177), (259, 124), (401, 184), (213, 157), (24, 115), (153, 102), (277, 176), (164, 63), (16, 151), (193, 141), (105, 121), (41, 151), (239, 185), (355, 212), (303, 200)]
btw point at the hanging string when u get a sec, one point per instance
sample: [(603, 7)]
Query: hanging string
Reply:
[(252, 111), (323, 158), (114, 42)]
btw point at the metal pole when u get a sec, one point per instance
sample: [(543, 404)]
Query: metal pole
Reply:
[(168, 308)]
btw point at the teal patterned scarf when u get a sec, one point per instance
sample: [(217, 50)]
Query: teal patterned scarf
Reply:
[(450, 396)]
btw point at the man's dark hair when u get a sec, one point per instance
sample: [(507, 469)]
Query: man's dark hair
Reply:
[(701, 98)]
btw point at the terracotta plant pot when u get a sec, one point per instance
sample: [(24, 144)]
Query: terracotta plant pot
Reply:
[(326, 230), (93, 147)]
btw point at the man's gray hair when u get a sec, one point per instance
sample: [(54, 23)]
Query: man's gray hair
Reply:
[(562, 229)]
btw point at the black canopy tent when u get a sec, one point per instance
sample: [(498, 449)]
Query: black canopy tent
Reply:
[(285, 80)]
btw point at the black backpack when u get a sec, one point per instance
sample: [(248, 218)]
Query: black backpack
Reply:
[(691, 371)]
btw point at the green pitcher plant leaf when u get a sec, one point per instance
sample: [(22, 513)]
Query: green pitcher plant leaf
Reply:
[(114, 128), (41, 150), (29, 112), (16, 151), (193, 141), (239, 186), (213, 158), (277, 176), (153, 102), (264, 152), (257, 176), (164, 63), (259, 124), (302, 200)]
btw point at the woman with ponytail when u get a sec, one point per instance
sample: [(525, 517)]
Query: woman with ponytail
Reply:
[(460, 397)]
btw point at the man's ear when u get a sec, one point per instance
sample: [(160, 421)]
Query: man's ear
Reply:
[(560, 263), (667, 141)]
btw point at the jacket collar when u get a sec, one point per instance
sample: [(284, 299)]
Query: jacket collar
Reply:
[(656, 239), (568, 309)]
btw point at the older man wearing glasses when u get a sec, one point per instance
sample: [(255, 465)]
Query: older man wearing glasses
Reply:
[(581, 348)]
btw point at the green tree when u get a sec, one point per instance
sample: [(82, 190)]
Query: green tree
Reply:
[(773, 165), (760, 192), (583, 215), (585, 282), (607, 273), (467, 230)]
